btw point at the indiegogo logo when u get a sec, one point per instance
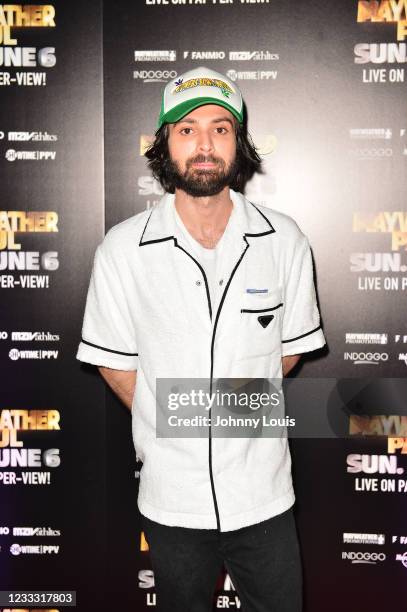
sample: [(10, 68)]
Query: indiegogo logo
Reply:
[(155, 76), (367, 558), (366, 358)]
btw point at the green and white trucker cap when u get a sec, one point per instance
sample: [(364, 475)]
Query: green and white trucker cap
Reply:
[(198, 87)]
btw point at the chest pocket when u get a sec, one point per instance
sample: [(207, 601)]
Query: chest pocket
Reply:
[(260, 323)]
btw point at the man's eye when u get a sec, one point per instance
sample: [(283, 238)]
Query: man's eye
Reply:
[(221, 130), (186, 130)]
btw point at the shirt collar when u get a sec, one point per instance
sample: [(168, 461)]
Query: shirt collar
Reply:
[(160, 225)]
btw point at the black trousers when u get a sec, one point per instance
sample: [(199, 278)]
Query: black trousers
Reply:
[(262, 560)]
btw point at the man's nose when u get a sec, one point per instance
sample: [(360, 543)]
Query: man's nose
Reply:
[(205, 142)]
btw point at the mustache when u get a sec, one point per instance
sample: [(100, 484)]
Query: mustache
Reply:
[(202, 159)]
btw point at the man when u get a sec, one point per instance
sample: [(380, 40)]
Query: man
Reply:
[(206, 285)]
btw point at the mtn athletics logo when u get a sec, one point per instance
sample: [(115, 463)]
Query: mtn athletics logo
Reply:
[(246, 56), (32, 136), (203, 82), (21, 336), (35, 531)]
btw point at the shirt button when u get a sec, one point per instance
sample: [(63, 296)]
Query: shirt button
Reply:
[(198, 283), (221, 281)]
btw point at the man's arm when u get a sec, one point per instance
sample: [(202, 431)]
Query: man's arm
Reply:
[(122, 383), (289, 362)]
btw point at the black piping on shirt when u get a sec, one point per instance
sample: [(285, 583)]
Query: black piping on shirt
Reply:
[(203, 274), (110, 350), (270, 231), (261, 309), (302, 335)]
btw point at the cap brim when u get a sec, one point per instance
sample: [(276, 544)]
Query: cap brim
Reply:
[(179, 111)]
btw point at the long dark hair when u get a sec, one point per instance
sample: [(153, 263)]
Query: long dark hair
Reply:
[(248, 160)]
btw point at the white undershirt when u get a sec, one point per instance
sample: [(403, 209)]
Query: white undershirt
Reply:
[(208, 258)]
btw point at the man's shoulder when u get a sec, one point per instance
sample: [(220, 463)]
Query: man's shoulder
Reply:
[(126, 233), (284, 226)]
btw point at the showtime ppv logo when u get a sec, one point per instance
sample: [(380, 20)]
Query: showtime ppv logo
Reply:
[(11, 155), (16, 354), (40, 549), (254, 75)]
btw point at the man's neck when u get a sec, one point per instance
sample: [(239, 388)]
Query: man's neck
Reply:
[(205, 218)]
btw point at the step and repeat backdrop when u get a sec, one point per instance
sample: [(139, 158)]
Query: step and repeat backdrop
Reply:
[(52, 415), (80, 87)]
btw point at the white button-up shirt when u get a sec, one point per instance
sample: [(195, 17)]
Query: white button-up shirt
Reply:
[(149, 309)]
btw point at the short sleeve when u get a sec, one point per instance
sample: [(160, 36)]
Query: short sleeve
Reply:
[(108, 337), (301, 321)]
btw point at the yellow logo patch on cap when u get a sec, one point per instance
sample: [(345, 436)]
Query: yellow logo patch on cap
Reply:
[(203, 82)]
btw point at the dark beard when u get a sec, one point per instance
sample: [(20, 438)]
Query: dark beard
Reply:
[(202, 183)]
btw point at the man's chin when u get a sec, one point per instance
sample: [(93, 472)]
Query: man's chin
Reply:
[(203, 184), (202, 191)]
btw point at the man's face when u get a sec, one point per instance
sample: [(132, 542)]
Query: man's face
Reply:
[(202, 148)]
